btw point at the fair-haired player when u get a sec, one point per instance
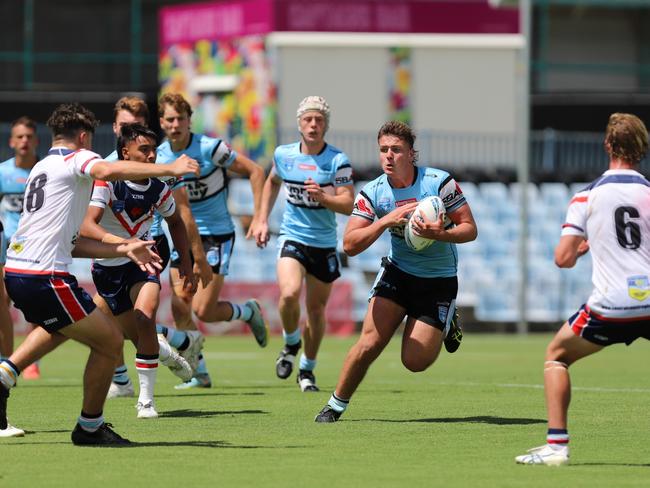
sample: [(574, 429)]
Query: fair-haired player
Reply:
[(123, 210), (208, 200), (610, 218), (318, 181), (128, 110), (36, 274), (420, 286)]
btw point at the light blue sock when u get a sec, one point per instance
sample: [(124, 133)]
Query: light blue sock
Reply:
[(201, 368), (293, 338), (307, 364), (338, 404), (241, 312), (90, 423), (120, 375), (175, 337)]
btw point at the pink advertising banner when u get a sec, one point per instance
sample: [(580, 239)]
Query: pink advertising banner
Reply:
[(227, 19), (407, 16), (214, 20)]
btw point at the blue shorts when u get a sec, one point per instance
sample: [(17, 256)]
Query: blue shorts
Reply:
[(114, 284), (218, 250), (605, 331), (51, 301)]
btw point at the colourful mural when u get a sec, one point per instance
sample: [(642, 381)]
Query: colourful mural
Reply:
[(399, 84), (244, 116)]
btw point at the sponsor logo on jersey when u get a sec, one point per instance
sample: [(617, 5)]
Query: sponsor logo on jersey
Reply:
[(399, 203), (638, 287), (307, 167)]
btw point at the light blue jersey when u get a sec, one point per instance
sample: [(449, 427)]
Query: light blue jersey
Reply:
[(305, 220), (379, 198), (208, 193), (112, 156), (12, 188)]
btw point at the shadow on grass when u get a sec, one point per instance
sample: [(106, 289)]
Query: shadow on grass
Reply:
[(200, 444), (630, 465), (483, 419), (186, 413), (216, 393)]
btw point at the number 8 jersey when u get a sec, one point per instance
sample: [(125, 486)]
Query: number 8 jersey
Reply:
[(613, 214), (55, 203)]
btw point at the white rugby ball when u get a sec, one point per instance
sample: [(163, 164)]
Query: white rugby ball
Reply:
[(431, 208)]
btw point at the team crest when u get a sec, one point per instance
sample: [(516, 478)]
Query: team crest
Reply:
[(443, 310), (638, 287), (288, 163), (118, 206)]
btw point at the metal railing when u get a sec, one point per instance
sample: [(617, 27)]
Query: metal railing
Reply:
[(552, 152)]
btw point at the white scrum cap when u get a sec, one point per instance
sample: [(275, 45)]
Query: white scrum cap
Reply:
[(314, 103)]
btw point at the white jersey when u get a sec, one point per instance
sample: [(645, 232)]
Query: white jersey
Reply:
[(55, 203), (613, 214), (129, 208)]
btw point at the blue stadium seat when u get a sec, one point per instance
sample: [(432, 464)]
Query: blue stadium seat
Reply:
[(494, 191)]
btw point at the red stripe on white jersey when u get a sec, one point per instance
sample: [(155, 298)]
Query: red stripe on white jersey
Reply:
[(69, 301), (83, 166), (71, 155), (578, 200)]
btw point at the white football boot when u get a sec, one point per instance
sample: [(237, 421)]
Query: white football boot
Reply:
[(546, 454)]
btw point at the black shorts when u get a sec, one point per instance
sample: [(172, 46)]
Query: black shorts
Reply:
[(429, 300), (218, 251), (321, 262), (114, 284), (606, 331), (161, 247), (51, 301)]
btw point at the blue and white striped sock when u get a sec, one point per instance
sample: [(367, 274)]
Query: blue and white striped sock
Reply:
[(8, 373), (175, 337), (90, 422), (120, 376), (338, 404), (292, 338), (557, 437), (307, 364), (241, 312)]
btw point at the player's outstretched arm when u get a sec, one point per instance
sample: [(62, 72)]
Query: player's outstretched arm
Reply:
[(129, 170), (181, 244), (137, 251)]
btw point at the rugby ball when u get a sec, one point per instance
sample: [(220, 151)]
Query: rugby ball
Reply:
[(431, 208)]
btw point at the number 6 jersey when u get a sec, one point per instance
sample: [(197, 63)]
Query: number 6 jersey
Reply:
[(55, 203), (613, 214)]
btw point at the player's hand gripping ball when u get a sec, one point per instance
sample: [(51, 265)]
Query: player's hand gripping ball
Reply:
[(431, 208)]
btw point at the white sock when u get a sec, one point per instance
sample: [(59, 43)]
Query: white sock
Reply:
[(147, 367)]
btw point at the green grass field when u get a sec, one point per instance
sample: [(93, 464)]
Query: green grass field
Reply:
[(459, 424)]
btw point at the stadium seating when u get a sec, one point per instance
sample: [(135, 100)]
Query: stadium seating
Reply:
[(488, 268)]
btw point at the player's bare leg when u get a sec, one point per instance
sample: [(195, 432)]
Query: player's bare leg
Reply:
[(421, 344), (318, 292), (565, 349), (290, 278), (380, 323)]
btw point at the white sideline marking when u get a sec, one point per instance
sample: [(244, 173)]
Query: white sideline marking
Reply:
[(541, 387)]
